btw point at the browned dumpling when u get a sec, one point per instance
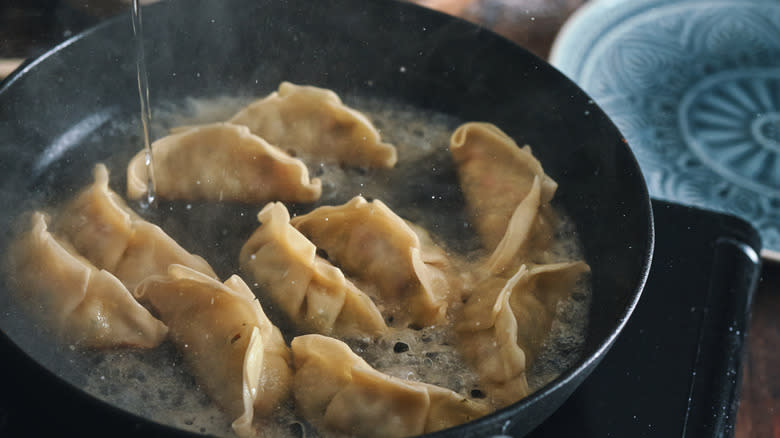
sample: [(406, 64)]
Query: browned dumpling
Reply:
[(313, 123), (496, 177), (221, 162), (505, 322), (336, 389), (84, 305), (378, 248), (233, 349), (102, 228), (314, 294)]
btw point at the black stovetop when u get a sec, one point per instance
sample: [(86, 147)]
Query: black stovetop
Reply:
[(675, 369), (673, 372)]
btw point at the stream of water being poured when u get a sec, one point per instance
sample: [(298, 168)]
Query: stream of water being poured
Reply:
[(143, 94)]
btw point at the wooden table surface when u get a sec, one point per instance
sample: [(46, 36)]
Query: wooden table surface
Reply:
[(532, 24), (759, 409)]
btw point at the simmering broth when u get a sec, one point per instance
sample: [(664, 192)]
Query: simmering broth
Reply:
[(421, 188)]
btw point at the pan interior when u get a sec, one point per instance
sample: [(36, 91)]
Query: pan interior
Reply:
[(228, 52)]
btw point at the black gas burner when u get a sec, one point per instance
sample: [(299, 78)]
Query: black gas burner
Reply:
[(674, 371)]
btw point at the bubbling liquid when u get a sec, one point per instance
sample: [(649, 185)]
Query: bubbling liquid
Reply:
[(421, 188)]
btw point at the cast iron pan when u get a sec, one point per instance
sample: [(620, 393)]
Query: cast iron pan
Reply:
[(61, 114)]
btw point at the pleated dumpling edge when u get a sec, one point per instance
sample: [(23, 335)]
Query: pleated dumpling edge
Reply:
[(315, 124), (221, 162), (83, 305), (233, 349)]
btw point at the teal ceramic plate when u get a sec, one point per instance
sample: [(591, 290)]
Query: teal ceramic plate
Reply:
[(694, 85)]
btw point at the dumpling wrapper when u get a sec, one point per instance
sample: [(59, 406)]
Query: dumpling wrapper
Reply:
[(314, 294), (221, 161), (505, 322), (337, 389), (496, 176), (375, 246), (527, 224), (312, 123), (230, 345), (103, 228), (85, 306)]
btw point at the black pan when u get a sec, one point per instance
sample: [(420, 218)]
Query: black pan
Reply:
[(78, 104)]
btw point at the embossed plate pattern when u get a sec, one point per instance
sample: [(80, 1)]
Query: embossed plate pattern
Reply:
[(694, 85)]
